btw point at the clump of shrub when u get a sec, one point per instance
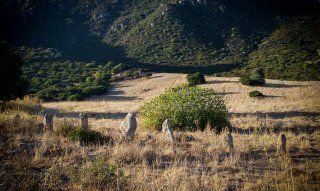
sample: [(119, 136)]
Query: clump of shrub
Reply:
[(188, 107), (256, 78), (85, 136), (195, 79), (256, 94)]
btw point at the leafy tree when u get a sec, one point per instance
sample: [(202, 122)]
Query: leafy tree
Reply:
[(12, 85)]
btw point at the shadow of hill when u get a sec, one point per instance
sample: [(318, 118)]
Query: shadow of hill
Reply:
[(271, 85), (96, 115), (221, 81), (277, 115), (296, 130), (114, 98)]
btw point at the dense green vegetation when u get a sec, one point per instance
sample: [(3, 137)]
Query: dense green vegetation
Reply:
[(52, 78), (291, 52), (278, 35), (188, 107)]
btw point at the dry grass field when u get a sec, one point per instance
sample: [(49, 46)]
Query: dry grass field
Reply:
[(35, 160), (287, 104)]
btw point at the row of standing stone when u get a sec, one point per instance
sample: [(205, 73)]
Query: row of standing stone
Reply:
[(129, 126), (48, 121), (282, 143)]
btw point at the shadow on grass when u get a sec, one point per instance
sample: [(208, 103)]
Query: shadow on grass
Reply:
[(95, 115), (269, 85)]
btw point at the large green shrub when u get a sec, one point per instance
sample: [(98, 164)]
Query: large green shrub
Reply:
[(195, 79), (188, 108)]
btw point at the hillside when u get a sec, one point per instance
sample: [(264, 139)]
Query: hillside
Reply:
[(170, 35)]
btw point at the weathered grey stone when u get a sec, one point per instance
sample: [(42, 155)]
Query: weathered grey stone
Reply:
[(16, 121), (229, 141), (129, 125), (84, 120), (167, 129), (282, 143), (48, 121)]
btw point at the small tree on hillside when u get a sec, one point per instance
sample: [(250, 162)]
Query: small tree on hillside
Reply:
[(11, 83)]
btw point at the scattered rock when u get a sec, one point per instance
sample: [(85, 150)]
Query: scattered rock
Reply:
[(229, 142), (48, 121), (84, 120), (167, 129), (129, 125), (282, 143)]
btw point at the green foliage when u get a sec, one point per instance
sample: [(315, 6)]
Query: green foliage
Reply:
[(188, 107), (11, 83), (255, 94), (290, 52), (85, 136), (195, 79), (53, 78), (256, 78)]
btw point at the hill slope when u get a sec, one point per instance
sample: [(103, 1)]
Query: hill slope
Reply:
[(173, 33)]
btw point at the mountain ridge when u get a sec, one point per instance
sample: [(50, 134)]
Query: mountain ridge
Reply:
[(169, 33)]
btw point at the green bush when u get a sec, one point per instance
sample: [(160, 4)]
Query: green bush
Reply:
[(85, 136), (246, 81), (195, 79), (255, 94), (188, 108)]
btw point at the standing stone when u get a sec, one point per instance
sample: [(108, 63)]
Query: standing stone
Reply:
[(282, 143), (129, 125), (16, 121), (48, 121), (229, 142), (167, 129), (84, 120)]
